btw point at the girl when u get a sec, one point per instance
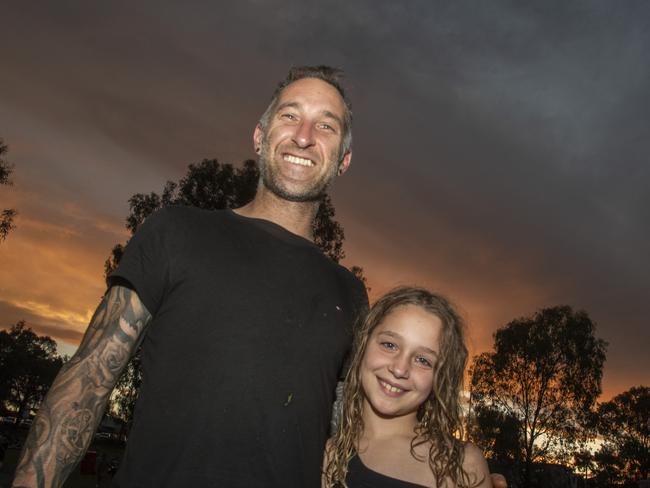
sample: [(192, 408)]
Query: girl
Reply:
[(401, 400)]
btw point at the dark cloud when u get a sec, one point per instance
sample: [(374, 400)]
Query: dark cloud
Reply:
[(60, 331), (500, 147)]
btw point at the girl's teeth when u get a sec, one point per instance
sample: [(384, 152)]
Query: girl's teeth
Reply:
[(391, 388)]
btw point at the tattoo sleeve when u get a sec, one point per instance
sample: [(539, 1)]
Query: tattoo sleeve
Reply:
[(75, 403)]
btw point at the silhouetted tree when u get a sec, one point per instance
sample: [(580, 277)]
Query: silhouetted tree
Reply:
[(497, 433), (358, 272), (546, 372), (209, 185), (609, 468), (624, 423), (28, 365), (8, 214), (125, 393), (583, 460), (212, 185)]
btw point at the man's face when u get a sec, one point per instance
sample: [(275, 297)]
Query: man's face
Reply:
[(299, 151)]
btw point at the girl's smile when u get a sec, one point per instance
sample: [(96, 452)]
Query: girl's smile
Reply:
[(397, 368)]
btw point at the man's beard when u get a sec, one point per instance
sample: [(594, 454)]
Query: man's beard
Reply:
[(311, 192)]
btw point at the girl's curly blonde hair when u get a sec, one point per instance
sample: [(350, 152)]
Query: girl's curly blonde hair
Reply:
[(439, 418)]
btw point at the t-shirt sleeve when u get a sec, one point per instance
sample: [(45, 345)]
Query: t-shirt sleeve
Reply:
[(146, 263), (361, 298)]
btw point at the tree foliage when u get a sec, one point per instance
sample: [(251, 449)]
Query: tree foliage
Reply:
[(28, 365), (624, 423), (125, 393), (546, 373), (8, 214), (5, 167), (212, 185), (497, 433)]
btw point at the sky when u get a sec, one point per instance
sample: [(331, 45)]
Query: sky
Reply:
[(500, 148)]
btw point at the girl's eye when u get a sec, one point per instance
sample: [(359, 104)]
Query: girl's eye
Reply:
[(388, 345), (423, 361)]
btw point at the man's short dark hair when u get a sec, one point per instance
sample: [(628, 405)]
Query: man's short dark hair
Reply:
[(330, 75)]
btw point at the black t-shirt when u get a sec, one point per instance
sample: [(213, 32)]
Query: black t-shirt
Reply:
[(250, 327)]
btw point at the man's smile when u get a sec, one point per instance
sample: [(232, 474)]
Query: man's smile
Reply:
[(297, 160)]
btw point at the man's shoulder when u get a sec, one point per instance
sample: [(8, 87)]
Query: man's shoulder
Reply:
[(184, 216), (187, 211), (355, 286)]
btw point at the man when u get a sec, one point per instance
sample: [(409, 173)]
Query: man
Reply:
[(247, 324)]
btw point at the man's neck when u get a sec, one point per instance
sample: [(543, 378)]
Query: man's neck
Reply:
[(296, 217)]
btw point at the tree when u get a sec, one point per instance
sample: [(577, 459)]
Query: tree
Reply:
[(583, 460), (125, 393), (358, 272), (497, 433), (624, 423), (8, 214), (209, 185), (212, 185), (546, 372), (28, 365), (609, 468)]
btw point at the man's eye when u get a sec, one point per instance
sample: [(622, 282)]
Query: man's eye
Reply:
[(326, 127), (288, 116)]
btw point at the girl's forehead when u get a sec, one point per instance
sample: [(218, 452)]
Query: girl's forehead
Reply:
[(408, 313), (411, 322)]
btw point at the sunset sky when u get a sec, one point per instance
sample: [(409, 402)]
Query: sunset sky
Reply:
[(501, 150)]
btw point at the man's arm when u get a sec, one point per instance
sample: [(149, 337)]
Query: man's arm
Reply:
[(75, 403)]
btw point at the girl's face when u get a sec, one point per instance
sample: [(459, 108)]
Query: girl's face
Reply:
[(397, 367)]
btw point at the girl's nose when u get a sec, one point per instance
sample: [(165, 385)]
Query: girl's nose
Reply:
[(400, 366)]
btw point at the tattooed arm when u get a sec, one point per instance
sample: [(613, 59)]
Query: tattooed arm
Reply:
[(75, 403)]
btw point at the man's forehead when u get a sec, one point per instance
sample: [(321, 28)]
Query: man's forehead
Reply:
[(313, 91)]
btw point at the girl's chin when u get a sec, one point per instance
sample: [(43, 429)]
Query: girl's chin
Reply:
[(387, 411)]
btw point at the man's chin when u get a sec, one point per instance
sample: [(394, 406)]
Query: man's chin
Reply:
[(295, 195)]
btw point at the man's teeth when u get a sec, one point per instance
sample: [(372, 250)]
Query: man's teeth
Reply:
[(391, 388), (297, 160)]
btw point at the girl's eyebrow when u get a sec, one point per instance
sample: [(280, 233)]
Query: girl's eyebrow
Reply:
[(395, 335), (390, 333)]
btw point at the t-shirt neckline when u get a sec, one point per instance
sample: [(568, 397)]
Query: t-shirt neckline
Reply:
[(273, 229)]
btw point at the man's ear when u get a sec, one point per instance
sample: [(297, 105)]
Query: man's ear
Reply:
[(345, 162), (258, 135)]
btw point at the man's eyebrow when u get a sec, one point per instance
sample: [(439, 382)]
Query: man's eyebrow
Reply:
[(296, 105), (287, 104), (332, 115)]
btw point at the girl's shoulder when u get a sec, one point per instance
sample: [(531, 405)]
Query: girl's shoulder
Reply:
[(476, 467)]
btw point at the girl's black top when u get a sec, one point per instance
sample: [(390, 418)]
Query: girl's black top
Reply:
[(359, 476)]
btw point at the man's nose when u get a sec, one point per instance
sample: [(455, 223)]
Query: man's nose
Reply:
[(304, 135), (400, 366)]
